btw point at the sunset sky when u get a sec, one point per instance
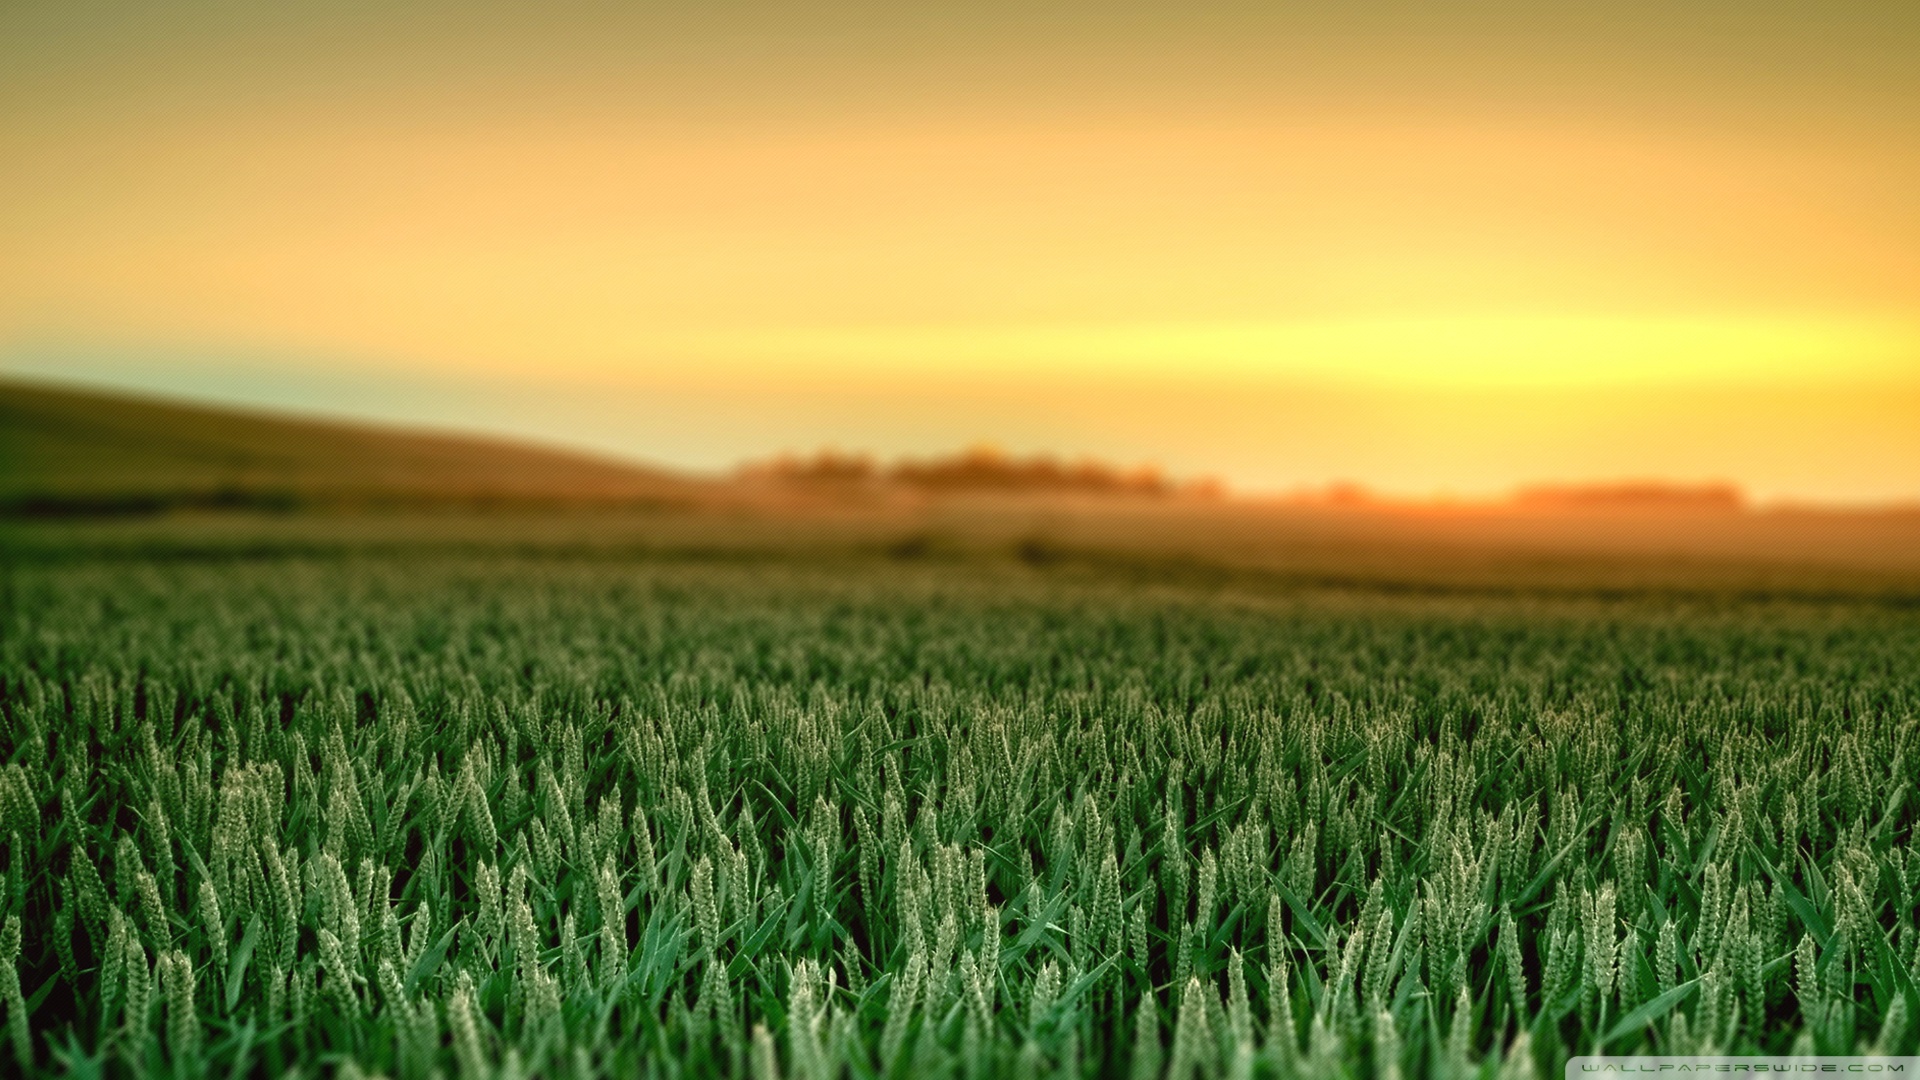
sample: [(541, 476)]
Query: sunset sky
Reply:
[(1436, 248)]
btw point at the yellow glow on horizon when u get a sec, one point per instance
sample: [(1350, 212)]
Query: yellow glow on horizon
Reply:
[(1389, 352), (1346, 247)]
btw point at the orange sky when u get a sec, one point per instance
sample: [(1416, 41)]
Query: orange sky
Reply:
[(1434, 248)]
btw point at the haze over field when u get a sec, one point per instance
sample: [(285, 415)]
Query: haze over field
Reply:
[(1434, 248)]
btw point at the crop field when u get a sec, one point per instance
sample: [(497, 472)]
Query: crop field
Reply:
[(503, 815)]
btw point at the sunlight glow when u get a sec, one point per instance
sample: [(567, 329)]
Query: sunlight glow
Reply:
[(1403, 353)]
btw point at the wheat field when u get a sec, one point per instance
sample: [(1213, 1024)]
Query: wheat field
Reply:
[(478, 815)]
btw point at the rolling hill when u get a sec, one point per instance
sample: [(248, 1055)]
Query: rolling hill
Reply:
[(67, 451)]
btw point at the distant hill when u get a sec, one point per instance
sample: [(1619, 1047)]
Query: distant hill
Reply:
[(70, 458), (66, 451)]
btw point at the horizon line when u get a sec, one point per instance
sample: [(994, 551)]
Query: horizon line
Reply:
[(1620, 492)]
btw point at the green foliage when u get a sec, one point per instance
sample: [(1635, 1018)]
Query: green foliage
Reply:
[(495, 817)]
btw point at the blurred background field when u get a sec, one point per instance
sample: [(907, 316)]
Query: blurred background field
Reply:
[(89, 472)]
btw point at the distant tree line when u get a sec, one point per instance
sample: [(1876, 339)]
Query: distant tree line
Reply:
[(980, 468)]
